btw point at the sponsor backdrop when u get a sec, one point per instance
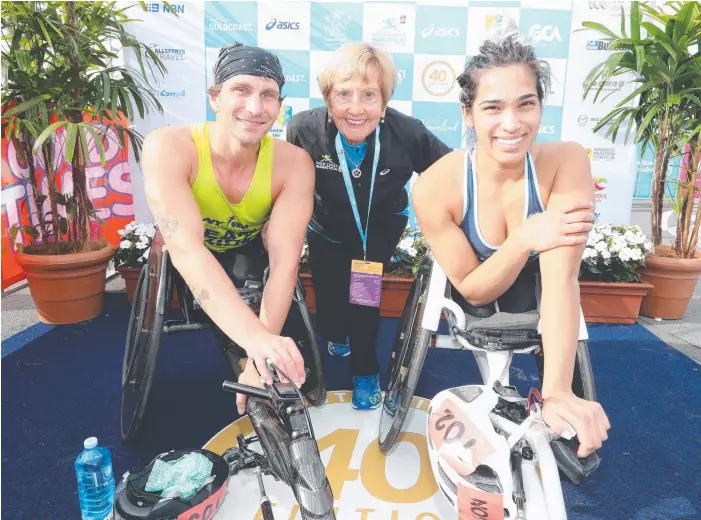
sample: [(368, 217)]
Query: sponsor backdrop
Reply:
[(430, 42), (430, 45)]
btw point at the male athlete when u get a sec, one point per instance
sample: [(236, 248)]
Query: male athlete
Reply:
[(213, 187)]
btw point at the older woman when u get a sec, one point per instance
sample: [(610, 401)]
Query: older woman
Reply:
[(364, 153)]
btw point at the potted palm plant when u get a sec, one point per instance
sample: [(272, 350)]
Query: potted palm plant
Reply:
[(66, 95), (666, 63)]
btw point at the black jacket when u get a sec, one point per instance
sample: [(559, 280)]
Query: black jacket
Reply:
[(406, 146)]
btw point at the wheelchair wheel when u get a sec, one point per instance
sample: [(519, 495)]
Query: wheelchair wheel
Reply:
[(136, 317), (408, 353), (141, 351), (583, 378), (314, 387)]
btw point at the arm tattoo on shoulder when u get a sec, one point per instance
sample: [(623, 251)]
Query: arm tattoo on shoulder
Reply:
[(167, 226)]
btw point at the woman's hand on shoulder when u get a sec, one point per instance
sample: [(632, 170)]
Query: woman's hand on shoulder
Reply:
[(556, 227)]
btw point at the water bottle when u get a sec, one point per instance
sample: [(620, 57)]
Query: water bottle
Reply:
[(93, 469)]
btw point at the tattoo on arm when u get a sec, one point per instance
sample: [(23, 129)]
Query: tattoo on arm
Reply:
[(167, 226), (200, 297)]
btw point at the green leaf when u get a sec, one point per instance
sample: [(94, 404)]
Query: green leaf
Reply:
[(31, 231), (27, 105), (69, 147), (63, 225), (661, 38), (46, 34), (601, 28), (98, 143), (639, 58), (60, 198), (14, 230), (646, 121), (84, 143), (635, 21), (591, 77), (45, 135), (107, 87), (113, 108)]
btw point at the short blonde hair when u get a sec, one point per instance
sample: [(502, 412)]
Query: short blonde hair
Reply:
[(355, 60)]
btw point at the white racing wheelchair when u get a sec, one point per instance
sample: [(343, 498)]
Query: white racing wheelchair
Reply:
[(489, 448)]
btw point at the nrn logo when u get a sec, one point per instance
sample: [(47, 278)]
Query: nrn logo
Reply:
[(284, 26), (432, 30), (544, 33), (600, 183), (546, 130), (163, 8), (597, 45)]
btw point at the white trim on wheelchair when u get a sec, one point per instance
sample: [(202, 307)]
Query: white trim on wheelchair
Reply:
[(541, 479), (490, 363)]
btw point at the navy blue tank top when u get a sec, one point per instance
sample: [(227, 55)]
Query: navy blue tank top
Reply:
[(522, 296), (470, 220)]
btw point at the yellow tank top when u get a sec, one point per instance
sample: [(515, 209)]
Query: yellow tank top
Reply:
[(227, 225)]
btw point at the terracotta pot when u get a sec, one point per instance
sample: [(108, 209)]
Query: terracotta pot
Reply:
[(395, 291), (674, 280), (131, 278), (612, 302), (67, 288), (130, 275)]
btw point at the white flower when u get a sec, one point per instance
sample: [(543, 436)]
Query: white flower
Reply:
[(647, 245), (594, 237), (144, 257), (605, 255), (589, 252), (630, 237), (618, 243), (142, 244), (636, 254), (406, 243), (412, 251), (601, 246), (121, 232), (131, 226), (124, 244)]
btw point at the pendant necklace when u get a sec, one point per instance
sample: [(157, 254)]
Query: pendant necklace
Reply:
[(356, 172)]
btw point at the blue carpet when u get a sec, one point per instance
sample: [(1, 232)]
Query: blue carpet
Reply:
[(63, 386)]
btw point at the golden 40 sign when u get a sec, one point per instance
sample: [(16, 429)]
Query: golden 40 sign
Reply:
[(367, 484)]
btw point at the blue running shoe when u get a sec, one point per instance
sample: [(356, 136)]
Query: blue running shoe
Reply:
[(366, 392), (339, 349)]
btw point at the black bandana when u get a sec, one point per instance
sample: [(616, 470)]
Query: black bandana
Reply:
[(239, 59)]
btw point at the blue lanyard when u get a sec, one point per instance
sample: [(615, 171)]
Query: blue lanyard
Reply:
[(349, 187)]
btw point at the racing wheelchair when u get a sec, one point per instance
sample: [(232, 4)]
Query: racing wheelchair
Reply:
[(158, 281), (283, 429), (526, 454)]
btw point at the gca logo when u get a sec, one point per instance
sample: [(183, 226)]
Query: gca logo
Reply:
[(284, 26), (544, 33), (432, 30)]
